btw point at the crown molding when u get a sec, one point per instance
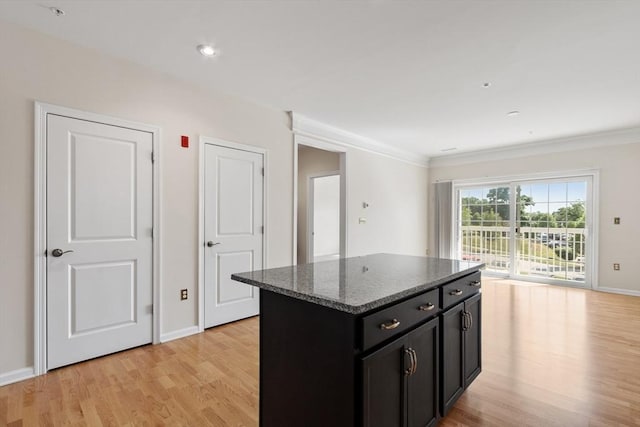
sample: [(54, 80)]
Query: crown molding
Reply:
[(304, 126), (558, 145)]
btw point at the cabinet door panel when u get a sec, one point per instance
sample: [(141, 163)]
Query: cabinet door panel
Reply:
[(422, 395), (384, 386), (452, 379), (472, 338)]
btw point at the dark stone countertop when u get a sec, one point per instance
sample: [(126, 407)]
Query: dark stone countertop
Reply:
[(360, 284)]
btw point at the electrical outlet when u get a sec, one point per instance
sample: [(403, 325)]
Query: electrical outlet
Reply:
[(184, 294), (616, 266)]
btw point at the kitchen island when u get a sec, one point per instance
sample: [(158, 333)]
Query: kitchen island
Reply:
[(379, 340)]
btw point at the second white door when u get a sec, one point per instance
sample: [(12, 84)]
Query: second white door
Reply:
[(233, 231)]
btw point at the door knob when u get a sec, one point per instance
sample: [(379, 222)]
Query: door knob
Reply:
[(59, 252), (210, 244)]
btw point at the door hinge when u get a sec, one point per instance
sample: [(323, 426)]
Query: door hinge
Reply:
[(262, 229), (152, 233), (262, 171), (153, 158)]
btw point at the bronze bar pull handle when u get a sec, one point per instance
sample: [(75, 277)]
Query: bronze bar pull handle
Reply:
[(409, 370), (475, 283), (391, 325), (415, 361), (427, 307), (456, 292)]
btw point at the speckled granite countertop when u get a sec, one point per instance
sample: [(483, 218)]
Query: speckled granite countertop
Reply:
[(357, 285)]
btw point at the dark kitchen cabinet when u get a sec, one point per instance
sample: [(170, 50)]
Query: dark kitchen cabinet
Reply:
[(381, 366), (461, 350), (400, 380)]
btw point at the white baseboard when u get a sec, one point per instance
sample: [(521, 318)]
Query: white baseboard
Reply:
[(181, 333), (619, 291), (17, 375)]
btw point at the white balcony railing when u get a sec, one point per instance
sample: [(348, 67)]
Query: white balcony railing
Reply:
[(557, 253)]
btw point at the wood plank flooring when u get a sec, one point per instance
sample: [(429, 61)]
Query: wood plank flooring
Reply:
[(552, 356)]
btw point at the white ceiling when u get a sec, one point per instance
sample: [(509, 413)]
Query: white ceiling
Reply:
[(406, 73)]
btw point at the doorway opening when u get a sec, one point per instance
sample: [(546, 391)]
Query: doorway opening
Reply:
[(320, 205)]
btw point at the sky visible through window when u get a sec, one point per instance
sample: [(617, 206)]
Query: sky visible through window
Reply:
[(552, 196), (546, 197)]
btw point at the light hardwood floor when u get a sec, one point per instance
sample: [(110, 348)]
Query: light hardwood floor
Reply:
[(552, 356)]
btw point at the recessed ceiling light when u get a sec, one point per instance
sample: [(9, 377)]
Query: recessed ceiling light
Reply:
[(57, 11), (513, 113), (206, 50), (449, 149), (486, 84)]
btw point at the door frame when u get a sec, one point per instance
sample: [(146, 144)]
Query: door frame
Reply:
[(327, 146), (41, 110), (310, 207), (201, 237), (592, 225)]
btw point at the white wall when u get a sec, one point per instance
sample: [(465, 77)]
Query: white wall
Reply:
[(310, 161), (619, 175), (397, 212), (37, 67)]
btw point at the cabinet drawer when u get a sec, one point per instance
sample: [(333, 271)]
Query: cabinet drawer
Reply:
[(460, 289), (391, 321)]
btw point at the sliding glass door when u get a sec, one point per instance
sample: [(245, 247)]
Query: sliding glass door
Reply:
[(533, 228)]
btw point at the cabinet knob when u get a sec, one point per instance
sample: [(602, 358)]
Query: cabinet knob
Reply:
[(427, 307), (475, 283), (390, 325), (456, 292)]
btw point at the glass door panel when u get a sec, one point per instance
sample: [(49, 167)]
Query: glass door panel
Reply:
[(550, 229), (484, 227)]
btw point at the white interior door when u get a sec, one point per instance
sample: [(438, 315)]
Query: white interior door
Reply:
[(324, 218), (99, 239), (233, 229)]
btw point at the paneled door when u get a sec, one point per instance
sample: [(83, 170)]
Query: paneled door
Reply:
[(99, 239), (233, 231)]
